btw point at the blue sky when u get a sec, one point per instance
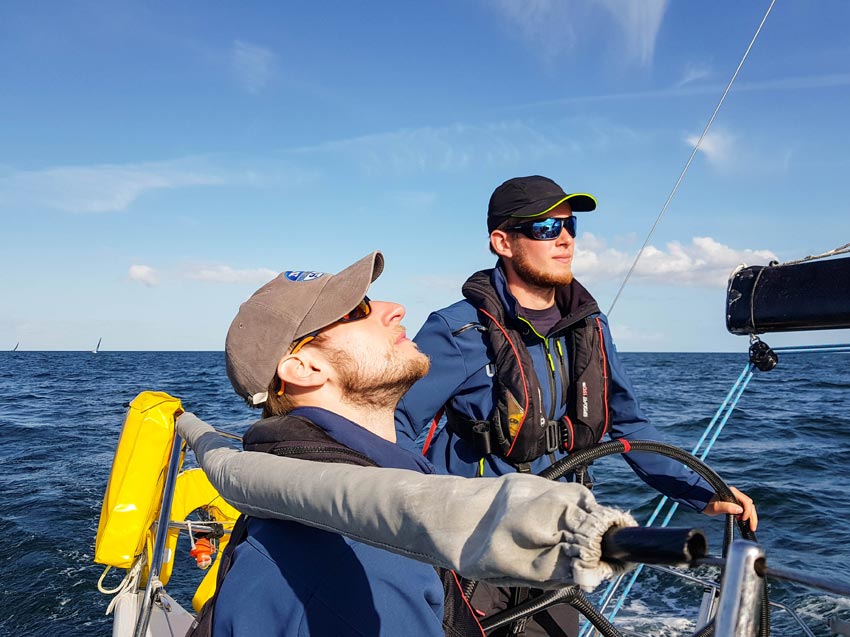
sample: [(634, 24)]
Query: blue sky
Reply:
[(160, 161)]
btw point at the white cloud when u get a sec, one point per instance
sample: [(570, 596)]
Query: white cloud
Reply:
[(101, 187), (718, 146), (703, 263), (641, 337), (640, 22), (553, 27), (227, 274), (143, 274), (253, 65), (726, 154)]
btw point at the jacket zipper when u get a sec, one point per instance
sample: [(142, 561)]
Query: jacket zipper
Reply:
[(552, 391)]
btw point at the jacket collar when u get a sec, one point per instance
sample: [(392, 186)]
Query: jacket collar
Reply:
[(383, 452), (573, 300)]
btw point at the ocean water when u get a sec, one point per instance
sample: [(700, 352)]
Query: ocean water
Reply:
[(787, 445)]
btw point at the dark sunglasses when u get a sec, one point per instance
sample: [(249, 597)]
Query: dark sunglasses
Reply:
[(546, 229), (360, 311)]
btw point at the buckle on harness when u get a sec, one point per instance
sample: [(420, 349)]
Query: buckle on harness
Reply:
[(553, 435), (481, 437)]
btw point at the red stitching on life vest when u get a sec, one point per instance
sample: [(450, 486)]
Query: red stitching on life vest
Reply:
[(604, 374), (432, 430), (522, 375), (466, 601)]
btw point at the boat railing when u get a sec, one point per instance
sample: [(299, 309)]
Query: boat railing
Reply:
[(199, 527), (154, 586)]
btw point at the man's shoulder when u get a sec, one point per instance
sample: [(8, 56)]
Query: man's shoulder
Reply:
[(457, 314)]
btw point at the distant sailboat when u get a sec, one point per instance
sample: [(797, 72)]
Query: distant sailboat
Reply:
[(15, 348), (97, 347)]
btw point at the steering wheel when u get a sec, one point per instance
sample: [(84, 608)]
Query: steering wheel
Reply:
[(573, 595)]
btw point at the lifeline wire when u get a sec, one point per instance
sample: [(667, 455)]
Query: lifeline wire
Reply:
[(690, 159)]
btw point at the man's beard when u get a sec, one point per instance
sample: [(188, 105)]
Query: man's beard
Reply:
[(374, 383), (536, 276)]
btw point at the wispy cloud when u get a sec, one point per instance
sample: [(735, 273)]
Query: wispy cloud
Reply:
[(207, 273), (227, 274), (554, 27), (703, 263), (694, 73), (254, 66), (640, 23), (99, 188), (143, 274), (446, 149), (725, 152), (835, 80)]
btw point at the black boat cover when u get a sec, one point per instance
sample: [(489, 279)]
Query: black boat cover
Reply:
[(808, 295)]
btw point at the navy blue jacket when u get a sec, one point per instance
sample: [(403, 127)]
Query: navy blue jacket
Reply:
[(461, 372), (291, 580)]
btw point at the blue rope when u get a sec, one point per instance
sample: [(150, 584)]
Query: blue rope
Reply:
[(811, 348)]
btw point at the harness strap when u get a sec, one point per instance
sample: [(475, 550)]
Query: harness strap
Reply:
[(478, 433), (487, 439)]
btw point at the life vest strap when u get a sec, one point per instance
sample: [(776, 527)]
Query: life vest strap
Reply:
[(485, 439)]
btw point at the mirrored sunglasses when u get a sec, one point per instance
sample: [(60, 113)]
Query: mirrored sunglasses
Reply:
[(546, 229)]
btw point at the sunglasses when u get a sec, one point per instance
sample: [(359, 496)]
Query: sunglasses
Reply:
[(546, 229), (360, 311)]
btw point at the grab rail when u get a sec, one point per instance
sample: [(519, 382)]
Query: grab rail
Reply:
[(154, 586)]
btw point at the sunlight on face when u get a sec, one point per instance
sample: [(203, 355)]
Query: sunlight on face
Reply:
[(373, 360)]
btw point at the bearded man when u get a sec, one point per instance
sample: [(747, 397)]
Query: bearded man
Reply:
[(524, 371), (328, 365)]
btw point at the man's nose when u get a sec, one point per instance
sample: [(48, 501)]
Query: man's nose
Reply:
[(388, 311)]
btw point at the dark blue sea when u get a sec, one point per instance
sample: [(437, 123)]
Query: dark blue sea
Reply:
[(787, 445)]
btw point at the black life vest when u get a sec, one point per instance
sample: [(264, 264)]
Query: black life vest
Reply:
[(297, 437), (519, 429)]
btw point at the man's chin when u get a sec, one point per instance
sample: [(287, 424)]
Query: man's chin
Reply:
[(421, 364)]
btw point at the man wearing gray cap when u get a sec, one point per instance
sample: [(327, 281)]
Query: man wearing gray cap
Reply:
[(328, 365)]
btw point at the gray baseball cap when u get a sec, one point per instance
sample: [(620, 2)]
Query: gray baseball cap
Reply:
[(290, 306)]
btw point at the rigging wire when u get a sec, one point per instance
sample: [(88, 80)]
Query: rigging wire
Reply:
[(831, 253), (690, 160)]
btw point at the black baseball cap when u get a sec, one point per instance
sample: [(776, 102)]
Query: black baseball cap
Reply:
[(530, 197)]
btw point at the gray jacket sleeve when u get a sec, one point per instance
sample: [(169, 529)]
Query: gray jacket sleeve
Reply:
[(518, 530)]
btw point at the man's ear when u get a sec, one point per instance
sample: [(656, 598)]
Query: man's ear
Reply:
[(501, 243), (303, 371)]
